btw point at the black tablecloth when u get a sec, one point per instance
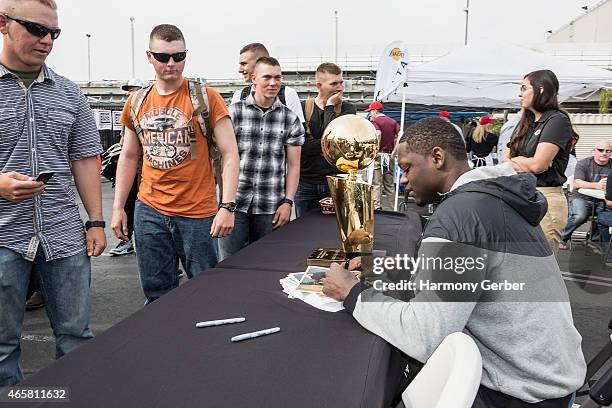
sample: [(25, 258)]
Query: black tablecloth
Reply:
[(157, 358)]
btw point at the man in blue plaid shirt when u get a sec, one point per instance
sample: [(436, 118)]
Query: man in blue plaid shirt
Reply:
[(269, 138)]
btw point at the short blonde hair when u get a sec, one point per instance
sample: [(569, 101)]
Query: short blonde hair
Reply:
[(8, 6)]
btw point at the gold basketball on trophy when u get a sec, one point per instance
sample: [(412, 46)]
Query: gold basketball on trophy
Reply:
[(350, 143)]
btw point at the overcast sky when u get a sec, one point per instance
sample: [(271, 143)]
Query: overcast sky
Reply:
[(216, 30)]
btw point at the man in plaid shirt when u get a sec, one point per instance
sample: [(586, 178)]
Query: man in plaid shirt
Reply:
[(269, 138)]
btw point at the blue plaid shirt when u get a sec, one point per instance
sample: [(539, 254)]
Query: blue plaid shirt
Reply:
[(262, 140), (44, 128)]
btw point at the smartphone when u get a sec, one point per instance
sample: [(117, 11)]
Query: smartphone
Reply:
[(45, 176)]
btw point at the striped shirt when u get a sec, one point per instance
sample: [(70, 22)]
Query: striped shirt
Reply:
[(44, 128), (262, 141)]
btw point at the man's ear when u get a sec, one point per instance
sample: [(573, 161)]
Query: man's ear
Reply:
[(438, 157), (3, 24)]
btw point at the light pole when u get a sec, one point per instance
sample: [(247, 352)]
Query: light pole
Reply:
[(88, 58), (467, 15), (133, 60), (336, 42)]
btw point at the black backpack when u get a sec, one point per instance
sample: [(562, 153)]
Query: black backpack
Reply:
[(247, 89)]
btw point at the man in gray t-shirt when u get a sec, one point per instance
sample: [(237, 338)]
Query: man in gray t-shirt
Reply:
[(591, 172)]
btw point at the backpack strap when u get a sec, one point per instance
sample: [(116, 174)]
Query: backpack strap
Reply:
[(201, 115), (309, 105), (135, 104), (245, 92), (281, 95), (308, 111)]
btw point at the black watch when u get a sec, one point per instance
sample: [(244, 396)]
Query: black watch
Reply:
[(95, 224), (286, 201), (229, 206)]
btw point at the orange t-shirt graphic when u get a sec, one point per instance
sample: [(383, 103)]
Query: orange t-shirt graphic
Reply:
[(171, 182)]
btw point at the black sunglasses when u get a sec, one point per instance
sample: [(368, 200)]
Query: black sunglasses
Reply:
[(37, 30), (163, 57)]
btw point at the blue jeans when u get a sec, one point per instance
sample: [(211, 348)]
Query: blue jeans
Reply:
[(63, 283), (308, 196), (579, 211), (162, 240), (604, 222), (248, 228)]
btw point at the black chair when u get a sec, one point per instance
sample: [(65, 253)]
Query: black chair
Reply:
[(599, 390)]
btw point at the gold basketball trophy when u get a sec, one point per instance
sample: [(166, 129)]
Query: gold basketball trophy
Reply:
[(350, 144)]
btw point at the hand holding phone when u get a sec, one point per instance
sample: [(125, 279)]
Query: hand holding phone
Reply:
[(45, 176)]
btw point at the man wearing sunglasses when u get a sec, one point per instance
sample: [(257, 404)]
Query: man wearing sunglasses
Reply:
[(46, 125), (177, 213), (591, 172)]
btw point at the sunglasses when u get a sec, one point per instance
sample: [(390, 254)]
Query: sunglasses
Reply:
[(163, 57), (604, 150), (37, 30)]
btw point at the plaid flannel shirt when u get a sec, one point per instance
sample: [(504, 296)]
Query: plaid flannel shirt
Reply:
[(262, 140)]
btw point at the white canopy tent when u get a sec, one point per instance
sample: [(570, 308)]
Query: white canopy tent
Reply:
[(485, 75)]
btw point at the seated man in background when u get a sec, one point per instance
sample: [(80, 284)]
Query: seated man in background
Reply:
[(531, 351), (590, 172)]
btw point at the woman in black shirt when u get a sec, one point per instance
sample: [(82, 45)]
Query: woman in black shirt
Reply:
[(540, 145), (482, 141)]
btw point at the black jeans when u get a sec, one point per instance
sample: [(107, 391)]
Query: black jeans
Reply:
[(130, 203)]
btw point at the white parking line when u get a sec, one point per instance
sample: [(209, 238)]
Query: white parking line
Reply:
[(589, 281), (579, 275), (41, 338)]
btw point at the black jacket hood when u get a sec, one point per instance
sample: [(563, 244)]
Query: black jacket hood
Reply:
[(517, 190)]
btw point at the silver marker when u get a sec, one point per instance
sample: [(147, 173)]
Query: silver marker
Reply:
[(220, 322), (252, 335)]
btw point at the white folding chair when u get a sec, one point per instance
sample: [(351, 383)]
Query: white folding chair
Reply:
[(450, 378)]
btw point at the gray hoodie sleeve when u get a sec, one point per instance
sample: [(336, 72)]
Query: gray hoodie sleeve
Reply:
[(417, 327)]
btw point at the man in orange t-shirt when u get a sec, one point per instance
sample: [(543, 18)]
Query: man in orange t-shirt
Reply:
[(176, 213)]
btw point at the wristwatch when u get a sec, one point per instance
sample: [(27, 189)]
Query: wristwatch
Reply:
[(229, 206), (286, 201), (94, 224)]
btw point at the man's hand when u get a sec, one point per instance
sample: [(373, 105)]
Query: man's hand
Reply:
[(119, 224), (354, 264), (335, 99), (96, 241), (338, 282), (223, 224), (602, 184), (17, 187), (282, 215)]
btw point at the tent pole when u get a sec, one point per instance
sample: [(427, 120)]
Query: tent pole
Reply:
[(402, 121)]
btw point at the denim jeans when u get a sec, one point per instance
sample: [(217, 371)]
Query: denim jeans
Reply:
[(604, 222), (248, 228), (308, 196), (579, 211), (162, 240), (63, 283)]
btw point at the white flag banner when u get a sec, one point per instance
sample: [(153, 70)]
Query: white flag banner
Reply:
[(104, 119), (391, 68)]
